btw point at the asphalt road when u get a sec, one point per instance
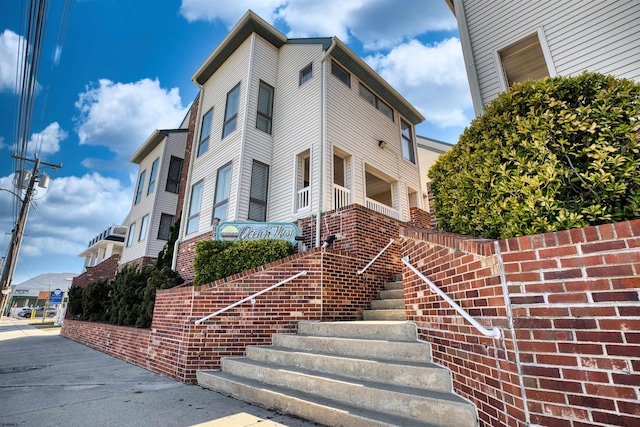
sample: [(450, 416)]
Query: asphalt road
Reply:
[(48, 380)]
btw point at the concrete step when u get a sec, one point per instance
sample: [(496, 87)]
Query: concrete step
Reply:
[(387, 331), (387, 304), (390, 286), (410, 374), (304, 405), (439, 408), (373, 315), (374, 349), (392, 294)]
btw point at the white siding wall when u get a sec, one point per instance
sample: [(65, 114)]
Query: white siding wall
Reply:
[(258, 144), (596, 35), (145, 207), (355, 126), (220, 152), (296, 128)]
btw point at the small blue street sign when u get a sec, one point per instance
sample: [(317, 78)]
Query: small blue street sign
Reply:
[(56, 297)]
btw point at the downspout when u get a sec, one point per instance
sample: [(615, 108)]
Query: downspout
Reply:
[(187, 186), (244, 126), (323, 136), (467, 53)]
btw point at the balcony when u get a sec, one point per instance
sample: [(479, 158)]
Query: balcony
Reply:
[(382, 208), (304, 196), (341, 196)]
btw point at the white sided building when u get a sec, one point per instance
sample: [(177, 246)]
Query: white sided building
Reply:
[(155, 199), (510, 41), (289, 128)]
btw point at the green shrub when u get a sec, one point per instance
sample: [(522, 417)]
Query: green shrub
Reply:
[(96, 301), (128, 291), (217, 259), (74, 306), (546, 155)]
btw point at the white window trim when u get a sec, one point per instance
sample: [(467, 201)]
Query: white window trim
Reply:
[(294, 192), (546, 52)]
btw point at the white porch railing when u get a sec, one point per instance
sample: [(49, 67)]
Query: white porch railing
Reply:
[(382, 208), (493, 333), (375, 257), (341, 196), (303, 198), (251, 297)]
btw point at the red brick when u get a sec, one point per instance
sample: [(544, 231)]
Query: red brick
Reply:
[(570, 348), (528, 299), (615, 296), (622, 258), (563, 237), (591, 402), (577, 236), (635, 227), (626, 283), (541, 371), (587, 285), (622, 229), (557, 252), (599, 336), (523, 277), (612, 245), (581, 261), (518, 256), (632, 408), (614, 419), (610, 271), (568, 298), (562, 274), (616, 392), (591, 233), (549, 311)]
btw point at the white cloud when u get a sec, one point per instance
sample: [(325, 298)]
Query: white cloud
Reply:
[(47, 141), (121, 116), (3, 145), (431, 77), (12, 49), (230, 13), (69, 213)]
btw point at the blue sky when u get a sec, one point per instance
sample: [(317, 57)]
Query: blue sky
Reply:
[(123, 69)]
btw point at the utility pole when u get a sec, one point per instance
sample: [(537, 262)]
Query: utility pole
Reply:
[(6, 280)]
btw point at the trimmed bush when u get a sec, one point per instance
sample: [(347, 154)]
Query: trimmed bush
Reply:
[(128, 293), (217, 259), (96, 301), (546, 155), (74, 306)]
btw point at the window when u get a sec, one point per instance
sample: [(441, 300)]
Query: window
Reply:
[(173, 177), (306, 73), (164, 230), (143, 227), (153, 176), (139, 188), (194, 207), (223, 185), (523, 60), (205, 131), (265, 107), (231, 111), (132, 231), (375, 101), (258, 192), (340, 73), (408, 151)]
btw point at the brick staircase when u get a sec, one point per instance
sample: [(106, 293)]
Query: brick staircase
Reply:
[(368, 373)]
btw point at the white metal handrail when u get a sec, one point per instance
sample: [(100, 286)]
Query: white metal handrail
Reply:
[(494, 333), (243, 300), (376, 257)]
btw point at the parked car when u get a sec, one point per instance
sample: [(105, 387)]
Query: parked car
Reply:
[(26, 312)]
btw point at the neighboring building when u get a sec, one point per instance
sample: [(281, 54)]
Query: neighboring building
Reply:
[(289, 128), (105, 245), (154, 204), (429, 150), (510, 41), (34, 292)]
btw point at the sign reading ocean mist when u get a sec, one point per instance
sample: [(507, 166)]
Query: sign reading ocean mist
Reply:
[(234, 231)]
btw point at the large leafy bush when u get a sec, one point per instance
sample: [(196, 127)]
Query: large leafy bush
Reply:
[(217, 259), (546, 155)]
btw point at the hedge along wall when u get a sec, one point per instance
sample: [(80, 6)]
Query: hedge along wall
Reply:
[(568, 305)]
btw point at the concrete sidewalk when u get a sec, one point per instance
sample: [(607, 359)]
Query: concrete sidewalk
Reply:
[(48, 380)]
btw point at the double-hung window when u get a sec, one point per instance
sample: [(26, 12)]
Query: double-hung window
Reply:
[(143, 227), (205, 131), (153, 176), (231, 111), (132, 231), (194, 207), (223, 186), (264, 116), (164, 230), (139, 188), (258, 192), (340, 73), (173, 177), (408, 151)]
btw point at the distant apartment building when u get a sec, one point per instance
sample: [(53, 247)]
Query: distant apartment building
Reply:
[(429, 150), (105, 245), (511, 41), (292, 128)]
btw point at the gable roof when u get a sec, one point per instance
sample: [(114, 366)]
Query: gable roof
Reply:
[(152, 142)]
